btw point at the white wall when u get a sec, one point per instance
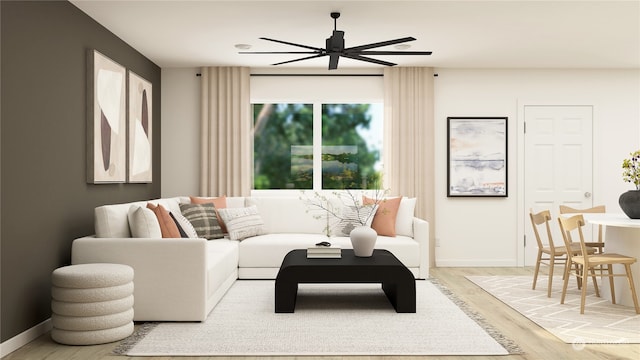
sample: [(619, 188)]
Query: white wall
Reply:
[(469, 231), (489, 232), (180, 132)]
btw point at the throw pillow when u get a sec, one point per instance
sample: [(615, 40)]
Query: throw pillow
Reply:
[(180, 230), (184, 223), (204, 220), (168, 228), (404, 221), (384, 221), (243, 222), (143, 223), (351, 217), (218, 203)]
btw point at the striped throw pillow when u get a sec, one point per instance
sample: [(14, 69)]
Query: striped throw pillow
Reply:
[(242, 222)]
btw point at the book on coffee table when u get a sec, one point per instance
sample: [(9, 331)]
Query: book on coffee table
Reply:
[(328, 252)]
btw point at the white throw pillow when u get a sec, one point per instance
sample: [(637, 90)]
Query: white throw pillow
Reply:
[(143, 223), (242, 222), (186, 225), (404, 219)]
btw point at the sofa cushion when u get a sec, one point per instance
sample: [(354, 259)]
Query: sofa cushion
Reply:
[(222, 261), (167, 225), (204, 220), (384, 220), (289, 215), (111, 221), (269, 250), (404, 220), (143, 223), (404, 248), (242, 222)]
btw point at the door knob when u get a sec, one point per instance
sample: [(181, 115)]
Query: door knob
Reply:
[(587, 194)]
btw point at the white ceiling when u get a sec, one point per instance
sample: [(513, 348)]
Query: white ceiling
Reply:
[(461, 34)]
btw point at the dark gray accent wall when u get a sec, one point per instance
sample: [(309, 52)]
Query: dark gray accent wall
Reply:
[(45, 199)]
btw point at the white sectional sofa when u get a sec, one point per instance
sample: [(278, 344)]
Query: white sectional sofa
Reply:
[(182, 279)]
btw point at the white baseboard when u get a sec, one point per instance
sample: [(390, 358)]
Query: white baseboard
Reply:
[(475, 263), (24, 338)]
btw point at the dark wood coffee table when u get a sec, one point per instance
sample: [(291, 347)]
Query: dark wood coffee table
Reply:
[(383, 267)]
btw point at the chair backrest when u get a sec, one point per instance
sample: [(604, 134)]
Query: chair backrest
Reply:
[(569, 225), (542, 217), (564, 209)]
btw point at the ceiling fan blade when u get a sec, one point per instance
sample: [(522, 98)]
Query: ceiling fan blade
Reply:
[(379, 44), (333, 61), (304, 58), (293, 44), (362, 58), (394, 52), (278, 52)]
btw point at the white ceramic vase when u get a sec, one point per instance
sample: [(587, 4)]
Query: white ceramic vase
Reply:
[(363, 240)]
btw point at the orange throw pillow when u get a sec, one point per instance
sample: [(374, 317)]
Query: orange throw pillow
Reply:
[(168, 227), (218, 203), (384, 221)]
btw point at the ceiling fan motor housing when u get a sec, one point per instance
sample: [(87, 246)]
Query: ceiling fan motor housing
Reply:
[(336, 42)]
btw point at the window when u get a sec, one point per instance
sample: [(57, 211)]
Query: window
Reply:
[(351, 146), (282, 143), (317, 146)]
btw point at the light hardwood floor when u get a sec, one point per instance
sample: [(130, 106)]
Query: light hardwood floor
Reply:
[(534, 341)]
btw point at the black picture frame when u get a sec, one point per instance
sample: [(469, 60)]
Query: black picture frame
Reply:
[(477, 156)]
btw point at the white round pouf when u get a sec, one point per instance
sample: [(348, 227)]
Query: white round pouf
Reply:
[(92, 303)]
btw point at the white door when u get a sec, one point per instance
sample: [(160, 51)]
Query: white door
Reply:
[(558, 164)]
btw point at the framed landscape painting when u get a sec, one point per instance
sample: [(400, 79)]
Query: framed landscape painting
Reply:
[(477, 157), (106, 124), (140, 130)]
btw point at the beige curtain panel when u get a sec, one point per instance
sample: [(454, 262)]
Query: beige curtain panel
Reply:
[(226, 139), (409, 136)]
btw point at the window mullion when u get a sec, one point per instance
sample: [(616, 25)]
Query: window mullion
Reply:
[(317, 146)]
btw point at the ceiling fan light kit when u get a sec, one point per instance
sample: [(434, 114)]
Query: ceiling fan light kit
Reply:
[(335, 48)]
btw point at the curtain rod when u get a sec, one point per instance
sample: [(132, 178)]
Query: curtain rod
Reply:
[(315, 74)]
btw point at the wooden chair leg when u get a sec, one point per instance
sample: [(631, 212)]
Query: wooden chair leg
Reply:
[(550, 281), (633, 288), (567, 269), (612, 283), (535, 274), (583, 293), (595, 282), (579, 275)]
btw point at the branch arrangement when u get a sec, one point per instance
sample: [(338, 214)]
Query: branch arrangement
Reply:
[(321, 201)]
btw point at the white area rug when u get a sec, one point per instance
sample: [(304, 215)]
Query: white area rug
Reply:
[(602, 322), (334, 319)]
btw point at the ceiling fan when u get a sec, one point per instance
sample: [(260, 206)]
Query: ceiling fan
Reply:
[(335, 49)]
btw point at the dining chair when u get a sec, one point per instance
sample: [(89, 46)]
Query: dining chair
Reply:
[(590, 263), (548, 253), (599, 245)]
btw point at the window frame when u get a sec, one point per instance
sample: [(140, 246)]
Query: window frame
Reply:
[(316, 89)]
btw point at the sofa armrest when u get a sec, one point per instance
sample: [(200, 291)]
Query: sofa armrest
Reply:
[(421, 235), (169, 274)]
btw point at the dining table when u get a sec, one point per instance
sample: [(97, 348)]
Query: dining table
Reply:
[(622, 236)]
